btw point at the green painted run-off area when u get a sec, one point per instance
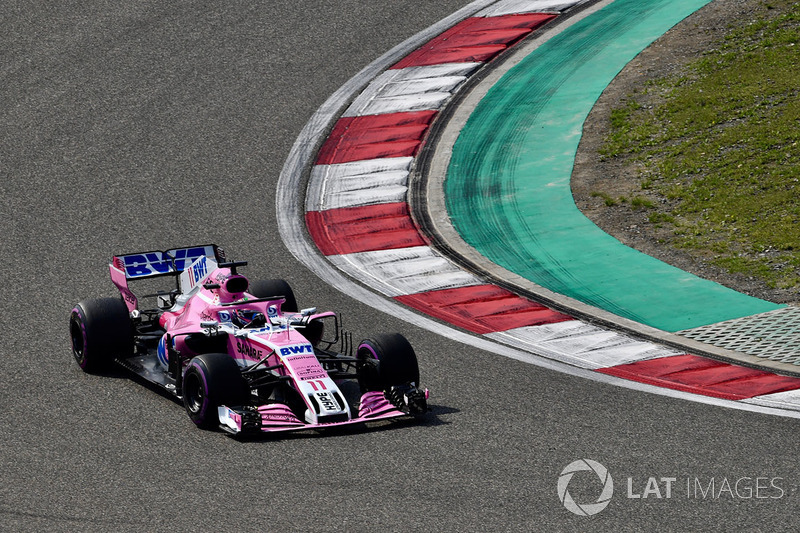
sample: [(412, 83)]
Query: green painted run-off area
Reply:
[(508, 185)]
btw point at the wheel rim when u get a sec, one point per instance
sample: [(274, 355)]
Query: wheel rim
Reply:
[(78, 342), (368, 373), (195, 393)]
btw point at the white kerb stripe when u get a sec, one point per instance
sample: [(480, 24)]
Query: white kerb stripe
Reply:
[(432, 101), (370, 192), (781, 400), (404, 271), (333, 186), (514, 7), (424, 88), (580, 344)]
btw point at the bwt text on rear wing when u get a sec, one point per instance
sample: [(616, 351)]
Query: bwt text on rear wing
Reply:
[(156, 263)]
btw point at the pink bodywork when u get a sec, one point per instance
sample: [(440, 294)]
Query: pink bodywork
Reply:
[(276, 344)]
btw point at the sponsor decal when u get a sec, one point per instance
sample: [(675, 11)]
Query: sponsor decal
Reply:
[(305, 367), (149, 264), (162, 351), (269, 417), (272, 310), (248, 350), (296, 349), (224, 317), (308, 374), (156, 263), (129, 297), (230, 418), (186, 256), (307, 358), (327, 401), (198, 271)]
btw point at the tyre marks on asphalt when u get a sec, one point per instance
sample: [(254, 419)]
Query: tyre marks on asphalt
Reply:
[(358, 216)]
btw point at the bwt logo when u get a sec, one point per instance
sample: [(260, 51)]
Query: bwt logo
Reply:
[(155, 263), (199, 270), (585, 509), (297, 349)]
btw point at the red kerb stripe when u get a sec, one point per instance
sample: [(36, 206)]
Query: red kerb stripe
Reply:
[(482, 309), (375, 136), (363, 229), (700, 375), (476, 39)]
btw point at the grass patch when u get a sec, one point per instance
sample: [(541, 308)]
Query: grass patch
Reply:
[(607, 199), (719, 142), (640, 202)]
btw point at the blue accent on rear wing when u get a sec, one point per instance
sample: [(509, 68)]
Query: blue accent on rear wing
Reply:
[(163, 263)]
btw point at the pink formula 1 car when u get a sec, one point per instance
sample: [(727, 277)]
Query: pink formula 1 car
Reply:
[(240, 354)]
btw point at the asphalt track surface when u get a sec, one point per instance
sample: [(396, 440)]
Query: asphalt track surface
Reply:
[(134, 127)]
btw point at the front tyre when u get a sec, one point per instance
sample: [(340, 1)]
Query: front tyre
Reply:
[(384, 360), (387, 363), (100, 330), (211, 380)]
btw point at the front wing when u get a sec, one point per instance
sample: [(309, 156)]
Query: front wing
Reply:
[(272, 418)]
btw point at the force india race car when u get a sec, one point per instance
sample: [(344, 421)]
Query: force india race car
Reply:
[(240, 355)]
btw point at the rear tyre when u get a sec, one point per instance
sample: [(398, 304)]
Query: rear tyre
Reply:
[(211, 380), (100, 330), (264, 288)]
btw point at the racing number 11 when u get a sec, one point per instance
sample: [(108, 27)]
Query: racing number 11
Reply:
[(315, 382)]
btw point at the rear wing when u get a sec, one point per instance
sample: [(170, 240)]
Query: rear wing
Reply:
[(157, 263)]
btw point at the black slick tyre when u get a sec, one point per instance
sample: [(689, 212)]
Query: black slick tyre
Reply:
[(386, 360), (100, 330), (264, 288), (211, 380)]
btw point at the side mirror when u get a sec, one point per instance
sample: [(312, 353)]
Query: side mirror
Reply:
[(323, 330), (301, 320)]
